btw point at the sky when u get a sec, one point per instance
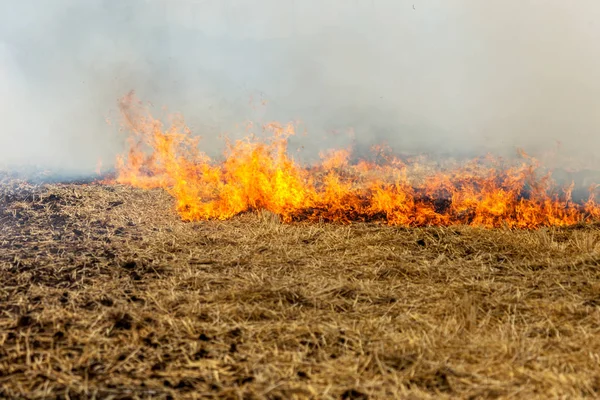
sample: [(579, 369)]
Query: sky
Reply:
[(448, 77)]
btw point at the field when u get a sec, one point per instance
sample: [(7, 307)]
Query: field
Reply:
[(106, 293)]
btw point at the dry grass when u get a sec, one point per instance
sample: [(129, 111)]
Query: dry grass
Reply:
[(105, 292)]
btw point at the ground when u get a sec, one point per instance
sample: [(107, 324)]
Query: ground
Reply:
[(106, 292)]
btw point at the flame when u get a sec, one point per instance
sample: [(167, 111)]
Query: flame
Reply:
[(99, 166), (257, 173)]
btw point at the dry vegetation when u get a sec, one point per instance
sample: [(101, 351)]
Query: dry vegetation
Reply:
[(105, 292)]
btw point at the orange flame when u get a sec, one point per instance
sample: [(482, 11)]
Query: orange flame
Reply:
[(259, 174), (99, 166)]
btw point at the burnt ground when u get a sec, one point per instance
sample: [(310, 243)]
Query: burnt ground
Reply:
[(106, 293)]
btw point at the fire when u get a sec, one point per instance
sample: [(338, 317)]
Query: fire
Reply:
[(99, 167), (259, 174)]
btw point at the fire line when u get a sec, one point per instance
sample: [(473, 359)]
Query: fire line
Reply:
[(258, 174)]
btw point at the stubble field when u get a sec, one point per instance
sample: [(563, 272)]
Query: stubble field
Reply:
[(106, 293)]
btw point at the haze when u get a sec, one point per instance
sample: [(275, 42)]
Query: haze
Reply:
[(438, 76)]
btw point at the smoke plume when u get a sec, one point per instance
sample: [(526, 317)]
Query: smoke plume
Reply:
[(440, 76)]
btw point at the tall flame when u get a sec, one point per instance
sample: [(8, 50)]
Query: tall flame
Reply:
[(258, 173)]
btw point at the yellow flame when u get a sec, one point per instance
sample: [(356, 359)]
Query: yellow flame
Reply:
[(259, 174)]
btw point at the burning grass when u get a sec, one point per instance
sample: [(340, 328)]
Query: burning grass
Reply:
[(259, 174), (106, 292)]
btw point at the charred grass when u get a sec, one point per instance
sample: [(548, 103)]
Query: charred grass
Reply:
[(106, 293)]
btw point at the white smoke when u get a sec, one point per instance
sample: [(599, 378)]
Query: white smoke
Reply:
[(441, 76)]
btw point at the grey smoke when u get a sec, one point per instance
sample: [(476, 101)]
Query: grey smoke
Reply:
[(440, 76)]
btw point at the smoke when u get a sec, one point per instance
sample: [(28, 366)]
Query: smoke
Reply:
[(439, 76)]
